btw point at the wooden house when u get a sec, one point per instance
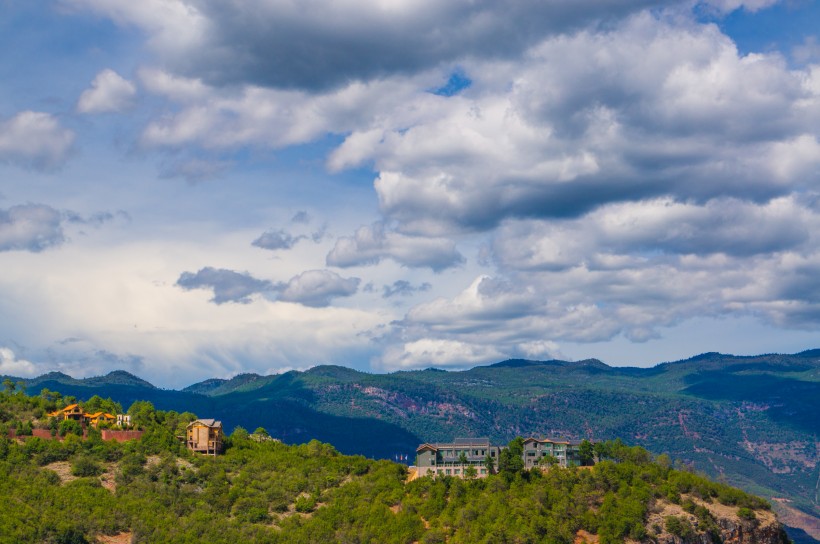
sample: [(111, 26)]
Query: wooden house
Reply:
[(205, 436)]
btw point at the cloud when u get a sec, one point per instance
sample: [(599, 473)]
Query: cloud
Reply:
[(430, 352), (370, 244), (318, 287), (227, 285), (283, 45), (30, 227), (549, 136), (728, 6), (404, 288), (659, 227), (34, 139), (109, 92), (171, 86), (10, 365), (300, 217), (276, 239)]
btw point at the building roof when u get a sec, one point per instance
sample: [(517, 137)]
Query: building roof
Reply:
[(457, 443), (100, 414), (565, 441), (206, 422)]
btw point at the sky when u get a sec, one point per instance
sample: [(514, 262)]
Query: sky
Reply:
[(199, 188)]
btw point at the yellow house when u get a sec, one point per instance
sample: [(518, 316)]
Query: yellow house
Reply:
[(95, 419), (72, 411), (205, 436)]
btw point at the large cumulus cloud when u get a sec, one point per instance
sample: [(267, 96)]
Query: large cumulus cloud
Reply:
[(284, 44)]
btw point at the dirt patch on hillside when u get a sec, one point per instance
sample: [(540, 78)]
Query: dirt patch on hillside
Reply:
[(121, 538), (584, 537), (63, 470)]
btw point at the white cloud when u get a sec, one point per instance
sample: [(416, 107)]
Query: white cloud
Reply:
[(93, 297), (30, 227), (728, 6), (34, 139), (11, 365), (174, 87), (428, 352), (109, 92), (373, 243)]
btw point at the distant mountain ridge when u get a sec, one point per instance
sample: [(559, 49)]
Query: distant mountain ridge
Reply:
[(750, 419)]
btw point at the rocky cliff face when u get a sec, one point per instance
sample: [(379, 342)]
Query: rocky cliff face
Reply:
[(671, 524)]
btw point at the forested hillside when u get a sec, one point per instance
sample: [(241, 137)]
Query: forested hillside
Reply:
[(153, 490), (751, 421)]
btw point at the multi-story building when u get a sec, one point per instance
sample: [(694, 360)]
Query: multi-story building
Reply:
[(452, 459), (540, 451)]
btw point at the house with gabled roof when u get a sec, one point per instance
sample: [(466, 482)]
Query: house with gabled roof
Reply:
[(99, 417), (204, 436), (72, 411)]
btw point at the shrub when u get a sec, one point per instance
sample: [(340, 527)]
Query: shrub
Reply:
[(85, 466), (305, 504), (679, 527), (746, 513)]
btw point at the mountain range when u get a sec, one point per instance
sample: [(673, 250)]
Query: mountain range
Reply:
[(751, 421)]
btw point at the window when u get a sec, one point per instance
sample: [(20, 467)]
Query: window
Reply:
[(447, 471)]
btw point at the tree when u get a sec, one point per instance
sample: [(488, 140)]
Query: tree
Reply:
[(489, 464), (548, 461), (470, 472), (69, 426), (511, 459), (8, 386), (586, 451), (260, 431), (142, 413)]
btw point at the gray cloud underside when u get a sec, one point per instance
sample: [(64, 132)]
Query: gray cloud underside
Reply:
[(318, 287), (227, 285), (404, 288), (276, 239), (311, 288), (290, 45)]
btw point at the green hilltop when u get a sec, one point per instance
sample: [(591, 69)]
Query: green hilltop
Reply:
[(153, 489)]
